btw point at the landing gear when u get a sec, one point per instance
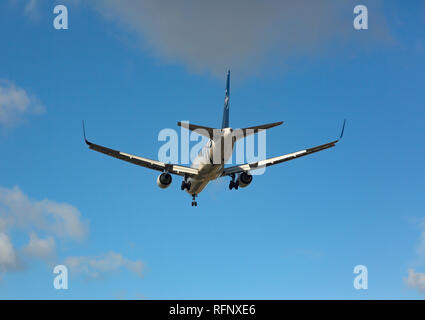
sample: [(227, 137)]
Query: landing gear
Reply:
[(185, 185), (233, 184), (194, 203)]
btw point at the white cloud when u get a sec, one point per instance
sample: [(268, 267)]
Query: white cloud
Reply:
[(416, 280), (97, 266), (3, 224), (60, 219), (242, 35), (15, 102), (18, 212), (40, 248), (8, 257)]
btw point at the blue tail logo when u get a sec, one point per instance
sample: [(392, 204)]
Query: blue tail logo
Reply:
[(225, 123)]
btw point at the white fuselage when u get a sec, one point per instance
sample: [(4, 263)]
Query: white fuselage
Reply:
[(210, 161)]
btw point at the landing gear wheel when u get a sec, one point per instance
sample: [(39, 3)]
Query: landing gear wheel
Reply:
[(233, 184), (185, 185), (194, 203)]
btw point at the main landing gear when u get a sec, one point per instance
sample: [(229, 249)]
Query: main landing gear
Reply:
[(233, 184), (194, 203), (185, 185)]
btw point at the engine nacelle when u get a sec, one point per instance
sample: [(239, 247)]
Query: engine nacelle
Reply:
[(244, 179), (164, 180)]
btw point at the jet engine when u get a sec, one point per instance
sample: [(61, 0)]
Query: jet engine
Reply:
[(164, 180), (244, 179)]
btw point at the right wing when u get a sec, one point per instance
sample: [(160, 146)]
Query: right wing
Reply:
[(276, 160), (144, 162), (280, 159)]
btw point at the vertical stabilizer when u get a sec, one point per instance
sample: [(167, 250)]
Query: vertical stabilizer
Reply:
[(225, 123)]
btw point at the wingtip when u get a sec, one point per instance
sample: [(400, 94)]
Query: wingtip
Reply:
[(343, 128), (84, 133)]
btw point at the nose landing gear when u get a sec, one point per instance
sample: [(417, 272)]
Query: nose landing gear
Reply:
[(194, 203)]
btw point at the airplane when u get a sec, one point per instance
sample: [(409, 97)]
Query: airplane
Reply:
[(207, 166)]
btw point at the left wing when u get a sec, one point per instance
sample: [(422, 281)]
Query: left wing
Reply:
[(144, 162), (280, 159)]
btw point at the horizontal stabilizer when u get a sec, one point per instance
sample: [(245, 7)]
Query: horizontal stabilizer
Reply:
[(244, 132), (238, 133), (202, 130)]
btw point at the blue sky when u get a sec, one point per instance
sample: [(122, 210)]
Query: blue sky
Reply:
[(130, 71)]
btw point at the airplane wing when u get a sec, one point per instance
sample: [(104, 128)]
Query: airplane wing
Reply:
[(272, 161), (143, 162)]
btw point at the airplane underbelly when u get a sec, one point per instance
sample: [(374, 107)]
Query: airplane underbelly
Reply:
[(207, 173), (197, 185)]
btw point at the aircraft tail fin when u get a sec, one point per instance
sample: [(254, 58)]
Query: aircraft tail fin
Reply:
[(225, 122)]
